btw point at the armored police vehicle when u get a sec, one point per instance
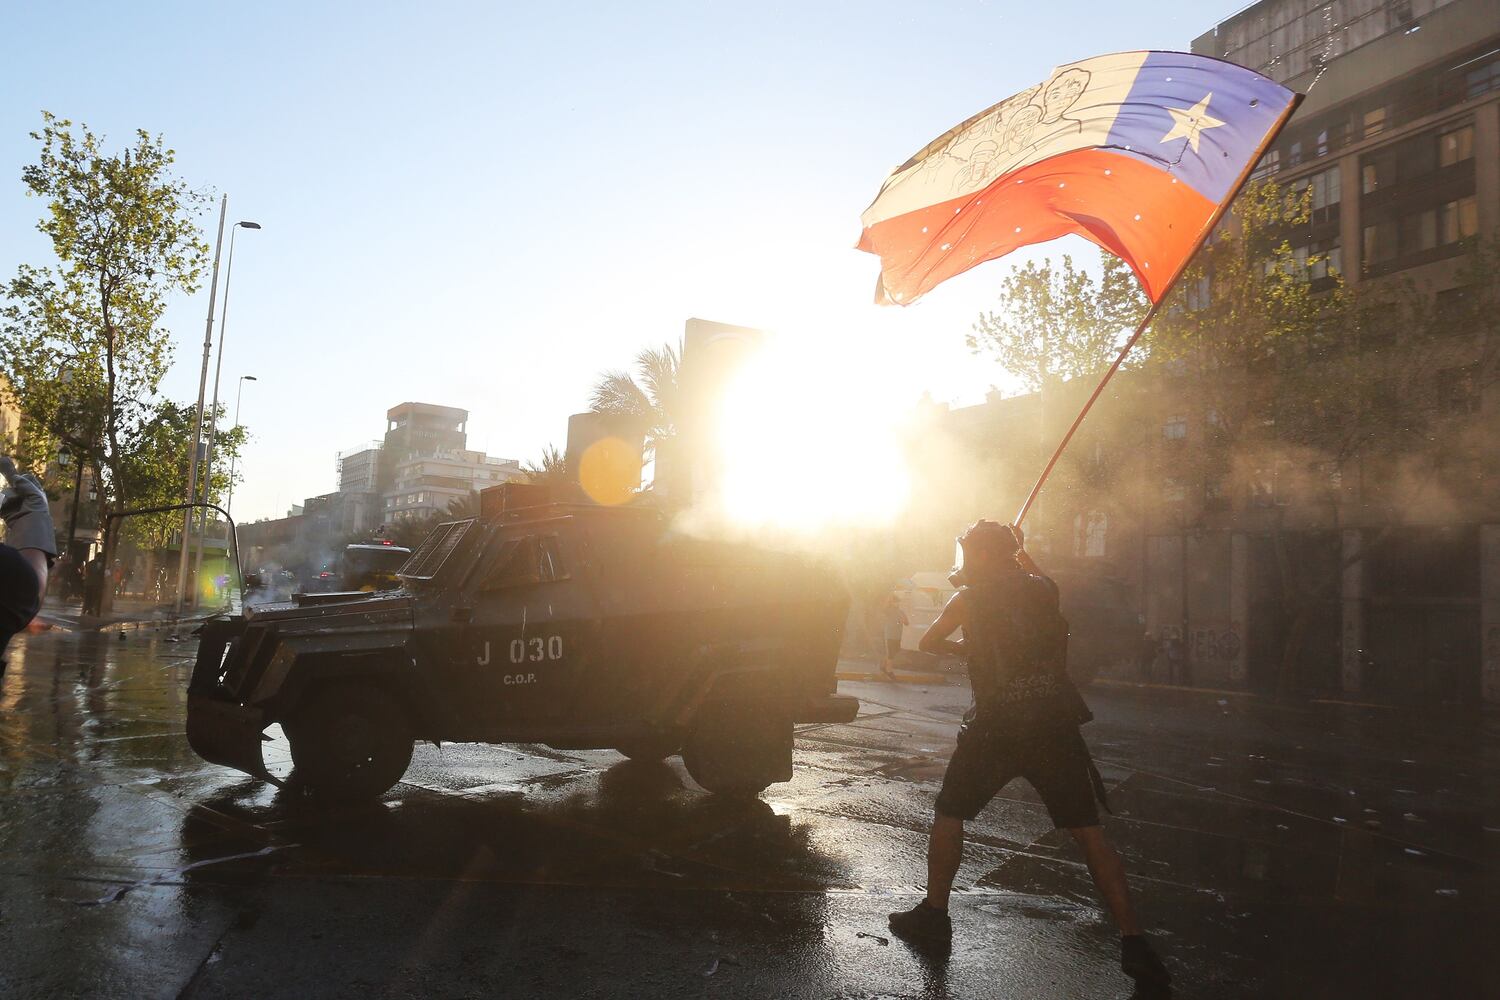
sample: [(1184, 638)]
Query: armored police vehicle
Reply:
[(571, 625)]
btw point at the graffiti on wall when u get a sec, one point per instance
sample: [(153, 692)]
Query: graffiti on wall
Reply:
[(1210, 644)]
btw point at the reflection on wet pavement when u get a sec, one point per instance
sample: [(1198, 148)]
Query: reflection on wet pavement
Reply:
[(1276, 850)]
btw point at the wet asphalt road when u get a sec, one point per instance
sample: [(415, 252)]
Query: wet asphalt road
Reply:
[(1277, 851)]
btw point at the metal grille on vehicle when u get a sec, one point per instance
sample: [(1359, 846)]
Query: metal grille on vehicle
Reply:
[(434, 550)]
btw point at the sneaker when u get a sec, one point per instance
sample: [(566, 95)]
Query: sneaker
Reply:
[(923, 925), (1140, 963)]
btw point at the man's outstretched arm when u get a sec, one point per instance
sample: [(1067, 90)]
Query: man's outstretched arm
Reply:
[(935, 640)]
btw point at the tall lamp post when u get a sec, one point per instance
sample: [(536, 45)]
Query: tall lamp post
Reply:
[(229, 502), (208, 346), (213, 412)]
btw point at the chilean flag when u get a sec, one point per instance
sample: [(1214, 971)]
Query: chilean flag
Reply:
[(1135, 151)]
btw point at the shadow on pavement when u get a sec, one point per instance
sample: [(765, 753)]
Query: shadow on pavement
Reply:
[(635, 824)]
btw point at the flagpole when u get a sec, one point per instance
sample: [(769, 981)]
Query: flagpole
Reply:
[(1140, 329)]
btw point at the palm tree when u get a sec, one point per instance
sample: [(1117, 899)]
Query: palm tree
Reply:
[(463, 507), (551, 469), (652, 396)]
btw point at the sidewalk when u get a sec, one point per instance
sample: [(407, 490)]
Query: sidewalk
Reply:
[(126, 612), (856, 668)]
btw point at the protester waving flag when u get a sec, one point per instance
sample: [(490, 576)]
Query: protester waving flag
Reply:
[(1138, 152)]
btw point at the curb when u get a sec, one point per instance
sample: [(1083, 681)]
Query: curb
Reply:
[(1147, 685), (138, 626), (1350, 704), (900, 677), (1226, 693), (124, 626)]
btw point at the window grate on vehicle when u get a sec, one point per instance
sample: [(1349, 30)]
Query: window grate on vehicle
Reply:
[(434, 550)]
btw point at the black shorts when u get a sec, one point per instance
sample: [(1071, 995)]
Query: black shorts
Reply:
[(1054, 761)]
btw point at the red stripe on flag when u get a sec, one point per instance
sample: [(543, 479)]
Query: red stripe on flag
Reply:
[(1134, 210)]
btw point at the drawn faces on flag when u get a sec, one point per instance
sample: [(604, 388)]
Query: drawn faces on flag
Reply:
[(972, 159), (1059, 95), (1062, 92), (1019, 129), (983, 163), (1037, 116), (1010, 133), (1010, 118)]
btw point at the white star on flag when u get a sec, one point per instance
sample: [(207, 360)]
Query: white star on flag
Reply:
[(1190, 122)]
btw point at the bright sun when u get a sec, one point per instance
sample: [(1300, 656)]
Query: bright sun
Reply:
[(810, 438)]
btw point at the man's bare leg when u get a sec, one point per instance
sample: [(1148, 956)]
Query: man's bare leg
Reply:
[(928, 923), (1137, 959), (945, 852), (1108, 872)]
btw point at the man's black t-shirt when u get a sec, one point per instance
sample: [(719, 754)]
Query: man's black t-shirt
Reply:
[(1017, 643)]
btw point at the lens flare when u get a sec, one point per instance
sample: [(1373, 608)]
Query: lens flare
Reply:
[(610, 471)]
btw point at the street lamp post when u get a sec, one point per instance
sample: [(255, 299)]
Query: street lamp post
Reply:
[(213, 419), (229, 502), (208, 345)]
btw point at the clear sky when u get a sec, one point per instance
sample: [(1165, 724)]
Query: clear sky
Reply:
[(485, 204)]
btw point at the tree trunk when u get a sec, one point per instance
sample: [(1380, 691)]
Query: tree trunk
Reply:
[(1291, 605), (1299, 600), (148, 575), (112, 458), (1291, 650), (110, 528)]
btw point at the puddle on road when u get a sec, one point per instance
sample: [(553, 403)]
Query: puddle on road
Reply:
[(1020, 904)]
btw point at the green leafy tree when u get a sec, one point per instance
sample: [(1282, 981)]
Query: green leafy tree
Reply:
[(156, 463), (1057, 322), (157, 466), (1058, 327), (82, 340), (1248, 349)]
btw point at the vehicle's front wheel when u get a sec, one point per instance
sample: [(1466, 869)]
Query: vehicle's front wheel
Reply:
[(738, 750), (349, 742)]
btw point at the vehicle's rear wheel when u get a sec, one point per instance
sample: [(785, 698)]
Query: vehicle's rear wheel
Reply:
[(650, 748), (349, 742), (737, 750)]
